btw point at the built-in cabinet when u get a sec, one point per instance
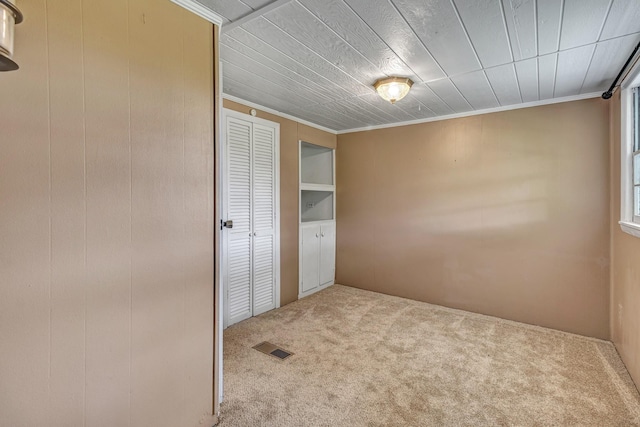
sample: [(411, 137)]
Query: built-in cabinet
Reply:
[(317, 218), (251, 279), (318, 255)]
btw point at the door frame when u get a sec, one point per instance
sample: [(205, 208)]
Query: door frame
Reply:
[(218, 381), (226, 112)]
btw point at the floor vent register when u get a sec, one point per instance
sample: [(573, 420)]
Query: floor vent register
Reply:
[(273, 350)]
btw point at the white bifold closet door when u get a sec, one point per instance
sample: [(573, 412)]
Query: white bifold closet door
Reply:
[(251, 244)]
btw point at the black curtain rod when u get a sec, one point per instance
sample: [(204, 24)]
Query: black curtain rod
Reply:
[(608, 94)]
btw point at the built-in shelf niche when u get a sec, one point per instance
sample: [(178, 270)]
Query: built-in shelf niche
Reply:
[(316, 164), (316, 205), (317, 244)]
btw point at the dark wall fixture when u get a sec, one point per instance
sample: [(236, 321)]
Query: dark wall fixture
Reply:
[(10, 15)]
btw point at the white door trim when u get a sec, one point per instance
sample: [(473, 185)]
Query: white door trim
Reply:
[(218, 386), (223, 196)]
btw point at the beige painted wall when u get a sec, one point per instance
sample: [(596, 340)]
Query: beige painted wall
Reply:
[(106, 217), (625, 266), (290, 133), (505, 214)]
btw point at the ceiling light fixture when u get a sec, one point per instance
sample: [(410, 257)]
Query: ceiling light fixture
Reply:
[(10, 15), (393, 89)]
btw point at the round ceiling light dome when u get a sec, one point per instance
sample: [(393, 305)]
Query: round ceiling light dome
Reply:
[(393, 89)]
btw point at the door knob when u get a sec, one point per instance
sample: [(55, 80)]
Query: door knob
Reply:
[(228, 224)]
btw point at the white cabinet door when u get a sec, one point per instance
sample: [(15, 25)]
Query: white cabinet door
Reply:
[(264, 219), (238, 243), (327, 253), (310, 257)]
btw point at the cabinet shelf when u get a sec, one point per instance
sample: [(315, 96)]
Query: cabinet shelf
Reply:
[(316, 187), (316, 205), (316, 164)]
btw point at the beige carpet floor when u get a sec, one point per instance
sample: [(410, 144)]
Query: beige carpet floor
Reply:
[(366, 359)]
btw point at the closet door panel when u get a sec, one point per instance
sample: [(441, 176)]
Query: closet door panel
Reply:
[(239, 238), (264, 219), (263, 275), (239, 280)]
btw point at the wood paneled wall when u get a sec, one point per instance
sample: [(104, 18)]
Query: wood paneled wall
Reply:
[(106, 216), (504, 214)]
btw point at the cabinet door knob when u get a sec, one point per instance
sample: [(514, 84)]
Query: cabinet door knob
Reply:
[(317, 235), (255, 233), (322, 234)]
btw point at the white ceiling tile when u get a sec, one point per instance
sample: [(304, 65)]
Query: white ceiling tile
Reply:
[(572, 69), (362, 117), (311, 32), (239, 36), (521, 21), (296, 84), (263, 29), (389, 113), (385, 20), (330, 113), (256, 4), (406, 109), (437, 25), (549, 19), (484, 22), (347, 24), (276, 89), (608, 59), (476, 89), (230, 9), (257, 96), (310, 79), (547, 75), (414, 108), (505, 84), (383, 115), (623, 19), (399, 110), (582, 22), (527, 72), (449, 94), (426, 96)]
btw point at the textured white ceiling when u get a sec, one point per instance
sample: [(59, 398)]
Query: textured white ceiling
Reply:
[(317, 59)]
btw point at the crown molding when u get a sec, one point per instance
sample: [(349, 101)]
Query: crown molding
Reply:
[(201, 11), (478, 112), (418, 121), (277, 113)]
